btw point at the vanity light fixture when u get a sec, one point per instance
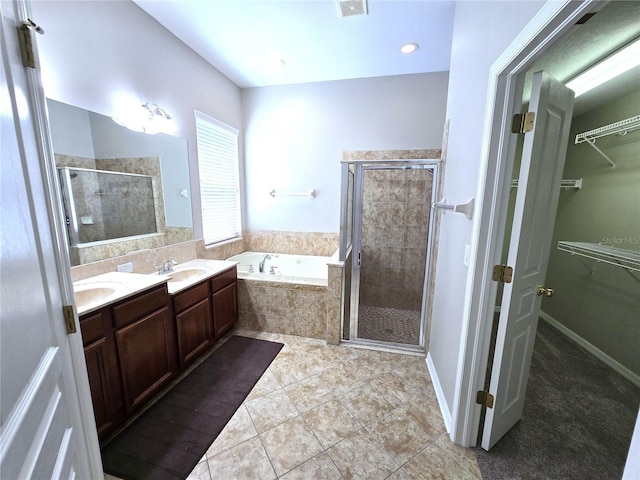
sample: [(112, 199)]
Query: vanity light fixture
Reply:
[(612, 66), (150, 119), (409, 48)]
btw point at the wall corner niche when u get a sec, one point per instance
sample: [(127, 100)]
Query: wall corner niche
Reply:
[(122, 191)]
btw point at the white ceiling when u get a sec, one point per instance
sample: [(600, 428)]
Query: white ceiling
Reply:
[(239, 37), (314, 40)]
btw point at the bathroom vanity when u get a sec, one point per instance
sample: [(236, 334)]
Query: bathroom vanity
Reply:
[(141, 331)]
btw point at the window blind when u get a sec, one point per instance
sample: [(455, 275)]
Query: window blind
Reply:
[(217, 146)]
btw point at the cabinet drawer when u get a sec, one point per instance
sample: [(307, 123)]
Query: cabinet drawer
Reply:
[(190, 297), (222, 280), (140, 306), (92, 328)]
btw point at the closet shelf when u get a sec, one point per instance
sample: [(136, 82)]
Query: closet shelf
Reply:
[(618, 128), (627, 259), (566, 184)]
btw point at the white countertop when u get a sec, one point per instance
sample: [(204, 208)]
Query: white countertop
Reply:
[(205, 268), (123, 285), (102, 290)]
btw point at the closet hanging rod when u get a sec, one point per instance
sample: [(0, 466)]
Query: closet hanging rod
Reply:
[(311, 193)]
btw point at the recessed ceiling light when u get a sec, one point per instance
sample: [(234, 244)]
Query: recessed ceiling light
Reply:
[(409, 48)]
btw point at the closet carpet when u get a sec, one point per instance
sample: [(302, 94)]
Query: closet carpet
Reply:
[(578, 418)]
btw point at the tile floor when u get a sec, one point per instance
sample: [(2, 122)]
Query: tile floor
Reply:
[(337, 412)]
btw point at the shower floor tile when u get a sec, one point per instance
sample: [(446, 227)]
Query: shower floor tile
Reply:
[(389, 324)]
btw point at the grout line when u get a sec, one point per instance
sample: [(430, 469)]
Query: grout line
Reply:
[(334, 396)]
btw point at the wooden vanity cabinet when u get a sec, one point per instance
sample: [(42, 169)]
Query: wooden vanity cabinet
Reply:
[(134, 347), (194, 325), (224, 301), (103, 370), (145, 338), (205, 312)]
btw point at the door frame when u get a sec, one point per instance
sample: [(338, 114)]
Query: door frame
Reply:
[(506, 80), (80, 383)]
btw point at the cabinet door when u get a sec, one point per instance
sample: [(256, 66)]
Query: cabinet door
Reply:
[(146, 349), (195, 332), (101, 396), (225, 309)]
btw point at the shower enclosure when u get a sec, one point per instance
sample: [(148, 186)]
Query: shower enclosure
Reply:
[(385, 242), (103, 205)]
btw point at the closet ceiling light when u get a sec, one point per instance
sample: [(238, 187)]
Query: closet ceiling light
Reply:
[(409, 48), (611, 67)]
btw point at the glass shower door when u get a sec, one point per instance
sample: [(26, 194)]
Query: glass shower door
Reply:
[(391, 241)]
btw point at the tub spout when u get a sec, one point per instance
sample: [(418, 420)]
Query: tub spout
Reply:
[(261, 265)]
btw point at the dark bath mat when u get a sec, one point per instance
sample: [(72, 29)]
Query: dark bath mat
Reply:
[(168, 440)]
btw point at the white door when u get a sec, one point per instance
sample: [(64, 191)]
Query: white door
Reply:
[(42, 433), (534, 217)]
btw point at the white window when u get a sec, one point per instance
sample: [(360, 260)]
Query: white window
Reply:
[(219, 185)]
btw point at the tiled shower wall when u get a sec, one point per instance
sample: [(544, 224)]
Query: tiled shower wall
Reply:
[(166, 236), (395, 225), (140, 205)]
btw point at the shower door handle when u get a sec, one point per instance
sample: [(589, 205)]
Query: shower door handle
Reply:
[(358, 258)]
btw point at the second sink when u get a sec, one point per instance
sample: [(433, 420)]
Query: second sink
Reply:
[(185, 274)]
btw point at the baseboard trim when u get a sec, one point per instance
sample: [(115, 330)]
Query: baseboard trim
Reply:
[(596, 352), (442, 401)]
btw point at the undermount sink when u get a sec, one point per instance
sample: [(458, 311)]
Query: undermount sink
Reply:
[(187, 274), (92, 294)]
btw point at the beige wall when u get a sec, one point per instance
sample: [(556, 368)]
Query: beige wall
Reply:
[(602, 307)]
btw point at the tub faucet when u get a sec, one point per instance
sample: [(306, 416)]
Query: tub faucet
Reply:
[(167, 267), (261, 265)]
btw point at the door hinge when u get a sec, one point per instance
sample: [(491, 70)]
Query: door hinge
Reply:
[(502, 273), (69, 319), (25, 39), (523, 122), (485, 399)]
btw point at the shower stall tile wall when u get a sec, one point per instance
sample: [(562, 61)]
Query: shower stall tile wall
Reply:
[(395, 219)]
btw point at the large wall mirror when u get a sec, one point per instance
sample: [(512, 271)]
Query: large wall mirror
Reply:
[(122, 190)]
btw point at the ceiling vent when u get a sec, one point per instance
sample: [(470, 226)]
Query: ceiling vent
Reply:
[(349, 8)]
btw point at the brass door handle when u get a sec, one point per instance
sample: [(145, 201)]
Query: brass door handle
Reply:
[(547, 292)]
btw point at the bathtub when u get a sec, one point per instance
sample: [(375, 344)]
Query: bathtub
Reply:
[(292, 300), (285, 268)]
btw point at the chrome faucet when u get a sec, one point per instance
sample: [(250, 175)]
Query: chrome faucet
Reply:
[(167, 267), (261, 265)]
